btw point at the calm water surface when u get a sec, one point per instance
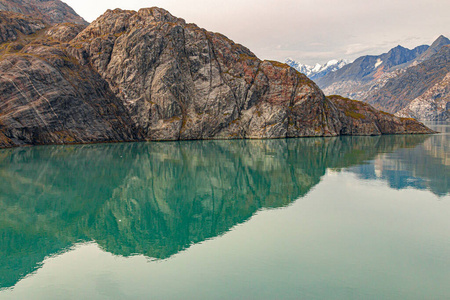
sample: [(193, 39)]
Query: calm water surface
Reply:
[(325, 218)]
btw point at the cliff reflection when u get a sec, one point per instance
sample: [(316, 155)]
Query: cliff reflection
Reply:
[(156, 199), (425, 167)]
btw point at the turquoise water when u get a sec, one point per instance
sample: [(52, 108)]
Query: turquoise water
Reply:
[(316, 218)]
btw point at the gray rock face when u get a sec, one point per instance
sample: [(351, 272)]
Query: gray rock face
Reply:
[(148, 75), (182, 82), (433, 105), (65, 32)]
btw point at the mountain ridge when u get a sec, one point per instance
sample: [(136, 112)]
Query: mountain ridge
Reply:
[(400, 91), (369, 67), (392, 81)]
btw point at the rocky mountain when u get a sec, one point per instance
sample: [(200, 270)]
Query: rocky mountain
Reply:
[(366, 73), (420, 92), (440, 42), (148, 75), (393, 80), (51, 11), (317, 71)]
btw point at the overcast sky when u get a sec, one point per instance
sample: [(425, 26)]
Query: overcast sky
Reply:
[(309, 31)]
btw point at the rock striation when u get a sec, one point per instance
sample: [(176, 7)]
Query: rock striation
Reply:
[(148, 75), (47, 97), (14, 25), (50, 11)]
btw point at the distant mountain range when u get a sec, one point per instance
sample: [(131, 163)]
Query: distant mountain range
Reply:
[(317, 71), (412, 83)]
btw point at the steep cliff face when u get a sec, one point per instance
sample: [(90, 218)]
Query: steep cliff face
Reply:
[(183, 82), (148, 75), (51, 11)]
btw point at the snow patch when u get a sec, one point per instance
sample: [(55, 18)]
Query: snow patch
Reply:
[(378, 63), (317, 71)]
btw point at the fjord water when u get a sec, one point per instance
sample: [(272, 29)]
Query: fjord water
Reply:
[(315, 218)]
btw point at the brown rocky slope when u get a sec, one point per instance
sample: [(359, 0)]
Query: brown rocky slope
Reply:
[(51, 11), (148, 75)]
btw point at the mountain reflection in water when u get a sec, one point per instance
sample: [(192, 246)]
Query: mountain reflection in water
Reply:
[(156, 199)]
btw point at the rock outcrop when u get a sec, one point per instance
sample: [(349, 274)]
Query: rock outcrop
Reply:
[(359, 118), (51, 11), (15, 25), (148, 75)]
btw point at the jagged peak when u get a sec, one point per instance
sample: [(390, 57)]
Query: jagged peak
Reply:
[(442, 37), (440, 41), (398, 48)]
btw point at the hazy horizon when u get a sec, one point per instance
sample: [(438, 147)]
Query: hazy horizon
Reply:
[(307, 31)]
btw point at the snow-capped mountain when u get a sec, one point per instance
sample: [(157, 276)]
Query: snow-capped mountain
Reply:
[(317, 71)]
